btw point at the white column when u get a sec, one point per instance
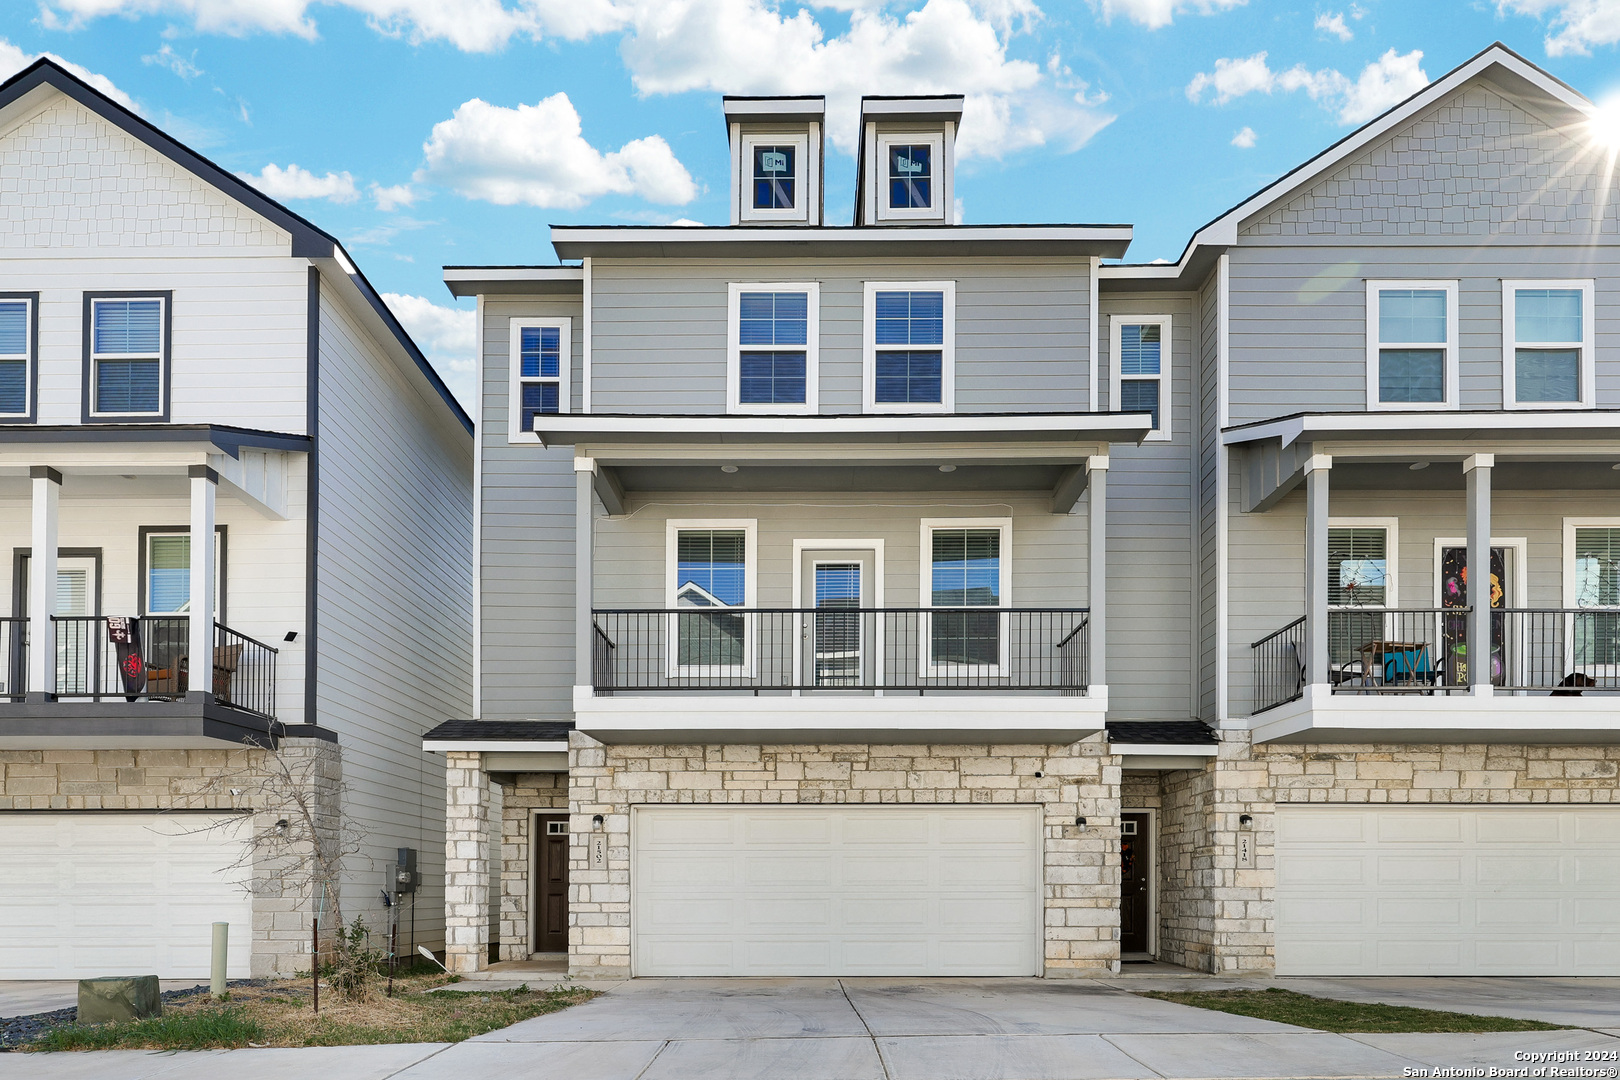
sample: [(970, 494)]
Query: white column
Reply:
[(1318, 467), (1477, 474), (204, 483), (584, 528), (42, 581), (1097, 556)]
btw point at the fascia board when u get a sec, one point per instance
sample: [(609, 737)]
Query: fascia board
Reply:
[(496, 746)]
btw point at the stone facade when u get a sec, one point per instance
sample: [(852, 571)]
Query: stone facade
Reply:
[(225, 780), (466, 861), (1079, 780), (521, 797)]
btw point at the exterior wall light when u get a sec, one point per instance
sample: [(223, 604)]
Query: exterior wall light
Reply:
[(1245, 821), (596, 822)]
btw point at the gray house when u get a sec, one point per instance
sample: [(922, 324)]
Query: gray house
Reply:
[(234, 502), (918, 598)]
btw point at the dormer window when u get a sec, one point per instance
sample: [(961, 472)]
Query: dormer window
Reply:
[(775, 182), (910, 173), (774, 177)]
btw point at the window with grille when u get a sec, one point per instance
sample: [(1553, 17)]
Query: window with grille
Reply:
[(910, 347), (1411, 333), (1140, 383), (778, 181), (1597, 585), (772, 351), (711, 571), (1547, 348), (540, 371), (16, 357), (1358, 578), (910, 177), (966, 572), (128, 356)]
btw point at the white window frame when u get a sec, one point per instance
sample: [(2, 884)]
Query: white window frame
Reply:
[(936, 143), (673, 527), (1117, 325), (869, 349), (1392, 575), (29, 355), (802, 193), (1606, 672), (734, 349), (164, 358), (516, 382), (926, 668), (151, 532), (1451, 399), (1510, 343)]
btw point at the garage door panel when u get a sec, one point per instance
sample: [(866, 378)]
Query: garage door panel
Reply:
[(838, 890), (1515, 892)]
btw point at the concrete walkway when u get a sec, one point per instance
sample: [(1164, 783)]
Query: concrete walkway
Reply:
[(866, 1029)]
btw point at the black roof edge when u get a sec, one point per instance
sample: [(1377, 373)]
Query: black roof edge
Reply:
[(309, 241), (910, 97), (773, 97), (229, 439)]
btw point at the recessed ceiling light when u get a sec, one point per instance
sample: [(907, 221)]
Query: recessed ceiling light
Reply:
[(126, 476), (1615, 466), (947, 468), (1418, 466), (728, 468)]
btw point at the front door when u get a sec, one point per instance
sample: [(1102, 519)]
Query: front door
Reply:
[(1453, 578), (1136, 861), (837, 639), (551, 886), (78, 599)]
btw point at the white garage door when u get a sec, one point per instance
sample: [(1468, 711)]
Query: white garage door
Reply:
[(106, 893), (836, 891), (1448, 891)]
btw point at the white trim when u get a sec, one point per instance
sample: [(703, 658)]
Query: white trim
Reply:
[(925, 595), (1223, 470), (1392, 560), (30, 350), (610, 235), (1292, 429), (672, 530), (1116, 326), (478, 511), (1567, 572), (1451, 399), (1077, 424), (869, 349), (937, 210), (804, 193), (497, 746), (585, 339), (812, 346), (1094, 320), (800, 546), (1518, 595), (164, 356), (1510, 343), (1176, 750), (1152, 870), (515, 381)]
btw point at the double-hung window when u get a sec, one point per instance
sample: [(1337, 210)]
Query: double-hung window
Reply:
[(1412, 345), (1592, 581), (777, 179), (968, 565), (771, 361), (127, 357), (1140, 378), (1360, 584), (910, 174), (711, 567), (18, 356), (1547, 360), (910, 346), (540, 350)]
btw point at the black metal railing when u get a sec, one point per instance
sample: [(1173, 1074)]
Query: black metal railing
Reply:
[(1393, 651), (895, 650), (1278, 660), (13, 659), (148, 659), (1562, 651)]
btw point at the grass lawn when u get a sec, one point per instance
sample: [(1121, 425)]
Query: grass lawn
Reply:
[(279, 1014), (1326, 1014)]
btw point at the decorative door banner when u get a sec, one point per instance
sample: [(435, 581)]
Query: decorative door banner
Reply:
[(1454, 594)]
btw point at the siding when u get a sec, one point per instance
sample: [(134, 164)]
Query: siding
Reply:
[(1209, 494), (394, 595), (526, 533), (660, 330)]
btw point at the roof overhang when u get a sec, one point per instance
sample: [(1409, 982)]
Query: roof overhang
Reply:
[(497, 746), (765, 110), (514, 280), (725, 434), (925, 108), (673, 241), (1471, 426)]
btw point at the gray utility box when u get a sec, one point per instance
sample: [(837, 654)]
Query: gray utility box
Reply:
[(106, 1001)]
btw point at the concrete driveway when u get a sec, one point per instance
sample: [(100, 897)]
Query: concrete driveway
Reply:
[(853, 1029)]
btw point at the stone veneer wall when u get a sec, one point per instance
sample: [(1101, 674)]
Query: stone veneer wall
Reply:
[(157, 780), (1079, 780), (526, 793)]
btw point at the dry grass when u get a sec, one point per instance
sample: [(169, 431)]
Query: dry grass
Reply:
[(1327, 1014), (279, 1014)]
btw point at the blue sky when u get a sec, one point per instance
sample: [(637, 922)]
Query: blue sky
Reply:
[(433, 132)]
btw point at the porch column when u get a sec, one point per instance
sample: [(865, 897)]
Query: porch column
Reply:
[(1477, 473), (1318, 467), (584, 535), (466, 862), (204, 484), (47, 484), (1097, 556)]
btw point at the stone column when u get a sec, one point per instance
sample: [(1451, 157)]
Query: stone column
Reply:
[(466, 862)]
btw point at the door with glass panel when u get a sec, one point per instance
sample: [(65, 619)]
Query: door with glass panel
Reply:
[(837, 640), (78, 600), (964, 646)]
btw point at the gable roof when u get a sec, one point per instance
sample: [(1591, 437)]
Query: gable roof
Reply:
[(309, 241), (1499, 60)]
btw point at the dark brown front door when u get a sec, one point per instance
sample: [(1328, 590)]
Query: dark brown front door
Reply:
[(551, 886), (1136, 859)]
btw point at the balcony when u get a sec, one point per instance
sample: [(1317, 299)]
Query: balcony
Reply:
[(1552, 675), (122, 683), (817, 673)]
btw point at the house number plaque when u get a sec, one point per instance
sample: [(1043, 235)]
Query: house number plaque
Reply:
[(1245, 851), (598, 851)]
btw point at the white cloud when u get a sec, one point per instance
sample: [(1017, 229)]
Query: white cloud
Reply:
[(294, 182), (1154, 14), (536, 154), (168, 58), (1577, 25), (13, 60), (1334, 24), (446, 336), (1386, 81), (1244, 139), (392, 198)]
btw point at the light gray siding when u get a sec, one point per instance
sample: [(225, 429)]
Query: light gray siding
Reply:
[(526, 539), (1209, 455), (394, 593), (660, 333)]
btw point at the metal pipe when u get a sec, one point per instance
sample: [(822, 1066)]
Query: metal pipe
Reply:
[(216, 981)]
